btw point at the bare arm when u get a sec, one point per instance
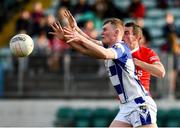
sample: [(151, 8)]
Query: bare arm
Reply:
[(97, 50), (73, 24), (58, 32), (156, 69), (89, 38), (83, 50)]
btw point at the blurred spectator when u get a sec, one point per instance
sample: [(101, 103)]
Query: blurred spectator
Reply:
[(2, 14), (136, 9), (170, 26), (24, 23), (113, 11), (163, 4), (58, 48), (41, 42), (37, 14), (168, 29), (81, 7), (173, 38), (100, 8), (81, 17), (171, 47), (146, 35), (174, 3), (65, 3), (9, 8), (50, 19), (90, 30), (81, 10), (38, 59)]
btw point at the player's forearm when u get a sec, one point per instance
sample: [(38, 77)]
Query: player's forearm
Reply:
[(94, 48), (88, 37), (82, 49), (156, 70)]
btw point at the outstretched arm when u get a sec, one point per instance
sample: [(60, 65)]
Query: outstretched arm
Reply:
[(96, 50), (73, 25), (58, 32)]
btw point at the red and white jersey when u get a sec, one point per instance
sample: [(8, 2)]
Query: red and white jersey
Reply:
[(149, 56)]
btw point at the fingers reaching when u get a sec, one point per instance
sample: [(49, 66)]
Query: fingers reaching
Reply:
[(52, 33), (71, 40), (58, 31), (53, 27), (70, 15), (66, 14), (71, 19), (58, 23), (67, 30), (67, 33), (71, 35)]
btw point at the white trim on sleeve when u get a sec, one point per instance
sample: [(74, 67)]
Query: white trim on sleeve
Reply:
[(100, 43), (115, 53)]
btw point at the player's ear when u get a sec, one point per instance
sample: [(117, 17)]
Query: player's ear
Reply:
[(138, 37), (141, 37), (141, 40), (117, 32)]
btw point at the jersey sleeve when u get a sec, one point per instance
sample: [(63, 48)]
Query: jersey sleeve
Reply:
[(153, 57), (118, 50)]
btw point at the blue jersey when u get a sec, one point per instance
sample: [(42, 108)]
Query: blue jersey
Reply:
[(121, 71)]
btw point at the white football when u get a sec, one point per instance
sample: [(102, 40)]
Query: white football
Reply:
[(21, 45)]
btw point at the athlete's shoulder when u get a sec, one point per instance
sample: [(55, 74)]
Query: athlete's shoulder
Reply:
[(147, 51), (142, 48), (122, 50), (150, 54), (121, 45), (117, 45)]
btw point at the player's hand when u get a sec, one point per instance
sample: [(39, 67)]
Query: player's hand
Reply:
[(137, 62), (71, 35), (58, 31), (71, 19)]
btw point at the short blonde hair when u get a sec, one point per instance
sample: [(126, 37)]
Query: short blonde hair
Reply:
[(117, 23)]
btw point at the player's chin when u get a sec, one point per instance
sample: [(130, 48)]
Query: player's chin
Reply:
[(104, 41)]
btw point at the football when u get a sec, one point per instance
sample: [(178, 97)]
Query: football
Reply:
[(21, 45)]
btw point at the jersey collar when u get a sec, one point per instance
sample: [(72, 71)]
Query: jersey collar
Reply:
[(117, 43), (134, 50)]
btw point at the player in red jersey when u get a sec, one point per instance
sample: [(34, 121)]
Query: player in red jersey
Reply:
[(146, 60)]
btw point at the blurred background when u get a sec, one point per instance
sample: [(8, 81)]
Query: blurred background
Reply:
[(56, 86)]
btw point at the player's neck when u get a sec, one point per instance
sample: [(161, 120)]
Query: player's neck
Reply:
[(134, 49)]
